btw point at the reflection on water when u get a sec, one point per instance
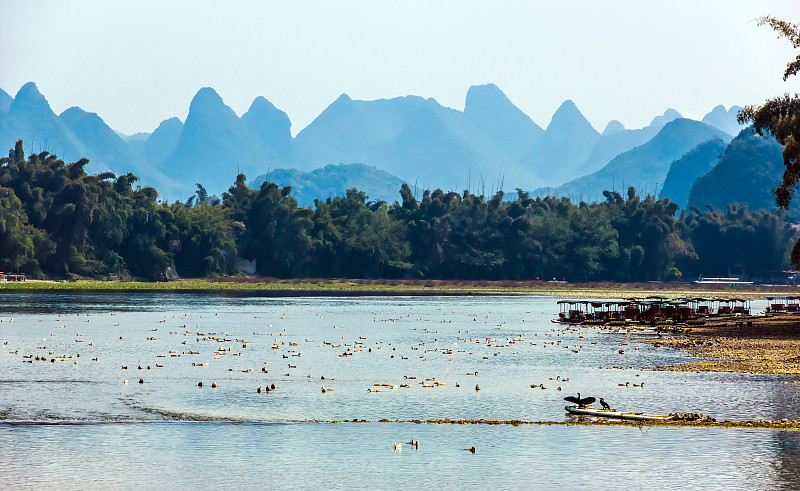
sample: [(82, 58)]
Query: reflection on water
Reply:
[(352, 455), (786, 458), (138, 434)]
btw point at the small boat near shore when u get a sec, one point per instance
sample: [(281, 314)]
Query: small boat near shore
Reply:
[(659, 311), (614, 414)]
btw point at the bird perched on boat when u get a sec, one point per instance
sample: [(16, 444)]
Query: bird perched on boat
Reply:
[(581, 402), (604, 404)]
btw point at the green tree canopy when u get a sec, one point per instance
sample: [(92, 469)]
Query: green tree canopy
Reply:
[(780, 117), (55, 219)]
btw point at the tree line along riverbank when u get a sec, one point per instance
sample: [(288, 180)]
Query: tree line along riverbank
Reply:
[(61, 222)]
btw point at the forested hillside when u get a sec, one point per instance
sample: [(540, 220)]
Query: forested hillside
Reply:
[(747, 171), (55, 219), (684, 171), (333, 180)]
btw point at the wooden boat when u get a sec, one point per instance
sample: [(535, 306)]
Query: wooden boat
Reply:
[(611, 413)]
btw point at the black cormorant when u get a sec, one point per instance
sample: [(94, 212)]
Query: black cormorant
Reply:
[(580, 402)]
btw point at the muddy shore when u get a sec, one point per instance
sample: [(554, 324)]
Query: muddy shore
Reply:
[(751, 344)]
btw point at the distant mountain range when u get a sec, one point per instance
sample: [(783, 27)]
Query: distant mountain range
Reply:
[(644, 167), (72, 135), (724, 120), (414, 138), (489, 145), (565, 145), (5, 101), (154, 147), (616, 140)]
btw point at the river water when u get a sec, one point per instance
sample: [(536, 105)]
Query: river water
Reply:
[(91, 424)]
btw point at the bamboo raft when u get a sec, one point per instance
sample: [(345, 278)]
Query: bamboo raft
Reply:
[(612, 413)]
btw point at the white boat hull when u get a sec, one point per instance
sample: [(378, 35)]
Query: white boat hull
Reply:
[(610, 413)]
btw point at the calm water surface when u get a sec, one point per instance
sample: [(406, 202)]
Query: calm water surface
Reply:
[(80, 426)]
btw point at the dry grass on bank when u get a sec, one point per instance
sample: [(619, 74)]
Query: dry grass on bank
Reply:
[(389, 287)]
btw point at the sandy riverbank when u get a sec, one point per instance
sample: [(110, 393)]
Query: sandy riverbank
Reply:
[(753, 344), (388, 287)]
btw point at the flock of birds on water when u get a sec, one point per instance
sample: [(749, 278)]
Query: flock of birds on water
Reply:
[(175, 342)]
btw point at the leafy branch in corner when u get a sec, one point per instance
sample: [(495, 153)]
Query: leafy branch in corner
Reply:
[(780, 117)]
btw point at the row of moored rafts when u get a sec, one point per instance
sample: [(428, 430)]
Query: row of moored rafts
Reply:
[(648, 311)]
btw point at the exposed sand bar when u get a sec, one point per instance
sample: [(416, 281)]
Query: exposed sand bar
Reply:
[(769, 345)]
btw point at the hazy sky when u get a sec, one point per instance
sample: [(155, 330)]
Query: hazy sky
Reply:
[(136, 63)]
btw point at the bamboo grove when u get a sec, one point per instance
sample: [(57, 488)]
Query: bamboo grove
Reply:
[(56, 220)]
